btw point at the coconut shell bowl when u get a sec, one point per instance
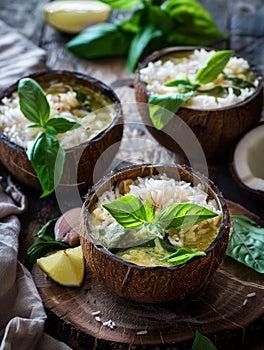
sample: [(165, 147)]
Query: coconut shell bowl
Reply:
[(153, 284), (215, 129), (247, 161), (80, 160)]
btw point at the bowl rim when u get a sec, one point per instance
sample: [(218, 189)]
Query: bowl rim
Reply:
[(165, 51), (233, 171), (225, 223), (104, 88)]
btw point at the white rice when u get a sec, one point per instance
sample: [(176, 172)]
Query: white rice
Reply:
[(15, 126), (162, 192), (156, 74)]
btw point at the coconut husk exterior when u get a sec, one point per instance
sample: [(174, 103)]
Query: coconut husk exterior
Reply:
[(80, 161), (216, 129), (153, 284)]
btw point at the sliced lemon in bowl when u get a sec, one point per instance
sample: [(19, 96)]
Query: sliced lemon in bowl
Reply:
[(65, 267), (74, 16)]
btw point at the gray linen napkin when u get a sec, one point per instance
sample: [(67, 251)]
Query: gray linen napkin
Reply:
[(22, 315)]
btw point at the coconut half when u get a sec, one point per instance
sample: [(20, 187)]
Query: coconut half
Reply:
[(247, 164)]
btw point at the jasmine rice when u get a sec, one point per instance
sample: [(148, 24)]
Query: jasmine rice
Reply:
[(179, 66), (93, 111), (162, 192)]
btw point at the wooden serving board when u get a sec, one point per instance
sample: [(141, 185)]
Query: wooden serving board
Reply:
[(225, 312)]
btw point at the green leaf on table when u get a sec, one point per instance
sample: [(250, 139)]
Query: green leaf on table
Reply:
[(46, 233), (45, 244), (193, 24), (32, 101), (246, 242), (62, 124), (163, 107), (135, 21), (128, 211), (213, 67), (139, 43), (47, 158), (182, 255), (41, 248), (201, 342), (122, 4), (183, 215), (101, 40)]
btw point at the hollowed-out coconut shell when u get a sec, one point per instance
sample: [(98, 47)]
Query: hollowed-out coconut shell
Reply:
[(153, 284), (216, 130), (80, 161), (248, 174)]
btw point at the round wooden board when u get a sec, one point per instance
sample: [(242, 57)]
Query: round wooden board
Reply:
[(220, 312)]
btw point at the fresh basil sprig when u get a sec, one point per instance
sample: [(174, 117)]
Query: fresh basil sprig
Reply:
[(131, 214), (246, 242), (45, 154), (45, 244), (182, 255), (163, 107), (174, 22)]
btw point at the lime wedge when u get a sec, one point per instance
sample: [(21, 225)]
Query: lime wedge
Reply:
[(74, 16), (65, 267)]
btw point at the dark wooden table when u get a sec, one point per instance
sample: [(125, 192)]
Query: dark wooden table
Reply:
[(241, 20)]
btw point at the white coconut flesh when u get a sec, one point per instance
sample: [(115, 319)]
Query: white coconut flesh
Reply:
[(249, 159)]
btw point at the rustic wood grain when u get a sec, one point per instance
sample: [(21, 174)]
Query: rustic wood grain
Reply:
[(219, 312)]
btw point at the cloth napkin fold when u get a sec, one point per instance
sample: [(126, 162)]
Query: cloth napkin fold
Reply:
[(22, 315)]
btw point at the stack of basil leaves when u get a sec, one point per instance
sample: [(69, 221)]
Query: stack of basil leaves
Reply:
[(150, 25)]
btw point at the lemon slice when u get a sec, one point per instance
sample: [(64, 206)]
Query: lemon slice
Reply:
[(65, 267), (74, 16)]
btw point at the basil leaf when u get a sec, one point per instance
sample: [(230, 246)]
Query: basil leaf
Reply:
[(213, 67), (62, 125), (32, 101), (139, 43), (167, 247), (149, 211), (147, 242), (32, 126), (181, 84), (246, 242), (202, 343), (122, 4), (217, 91), (183, 215), (136, 21), (101, 40), (238, 82), (47, 158), (163, 107), (193, 25), (47, 231), (128, 211), (182, 255), (41, 248)]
